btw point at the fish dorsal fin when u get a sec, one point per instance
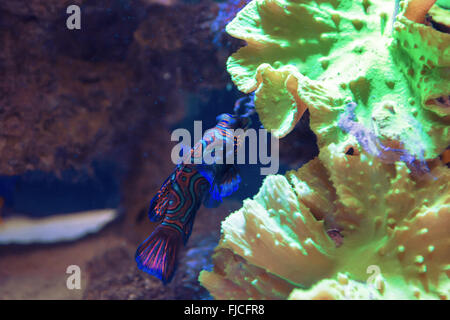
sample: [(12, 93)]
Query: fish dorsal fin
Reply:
[(160, 202)]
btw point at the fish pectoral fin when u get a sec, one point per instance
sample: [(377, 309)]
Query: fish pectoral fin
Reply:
[(230, 181), (213, 198), (222, 186)]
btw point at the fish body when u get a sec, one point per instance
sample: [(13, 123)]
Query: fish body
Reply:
[(176, 205), (192, 183)]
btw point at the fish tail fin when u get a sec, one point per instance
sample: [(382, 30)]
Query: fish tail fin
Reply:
[(157, 255)]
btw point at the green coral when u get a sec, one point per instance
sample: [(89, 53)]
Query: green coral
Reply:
[(350, 50), (388, 220), (320, 55), (444, 4)]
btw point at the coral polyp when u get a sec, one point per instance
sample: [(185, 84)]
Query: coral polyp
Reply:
[(377, 87)]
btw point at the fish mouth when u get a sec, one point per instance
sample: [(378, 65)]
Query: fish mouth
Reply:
[(442, 104), (443, 101), (438, 19)]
